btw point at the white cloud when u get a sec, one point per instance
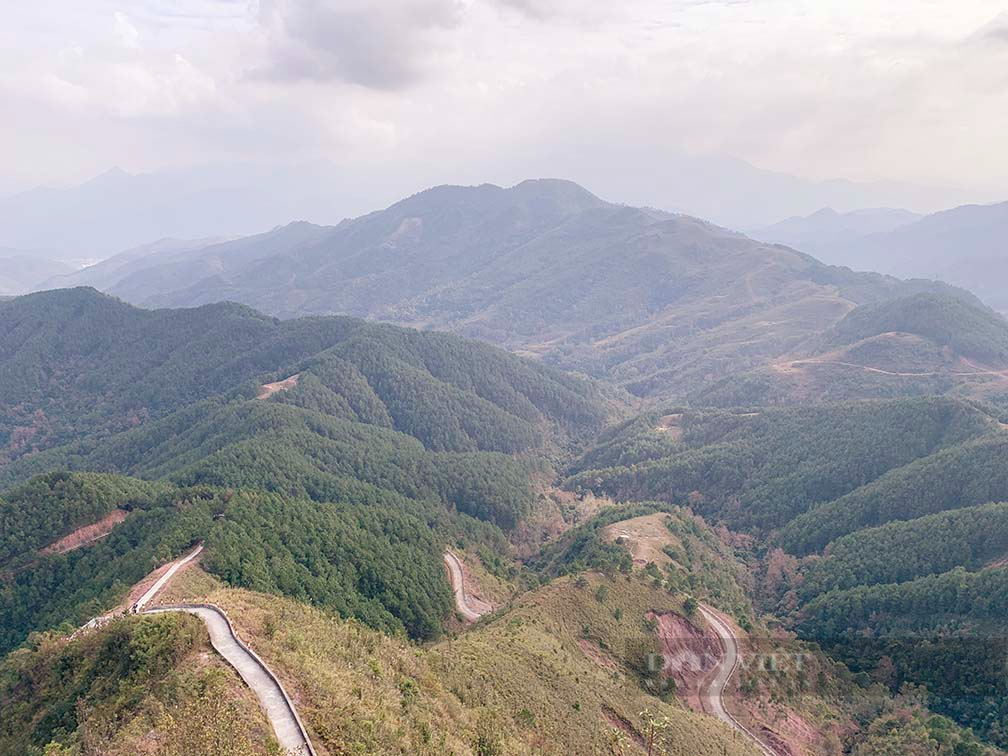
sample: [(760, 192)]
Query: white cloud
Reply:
[(470, 90), (384, 45), (127, 33)]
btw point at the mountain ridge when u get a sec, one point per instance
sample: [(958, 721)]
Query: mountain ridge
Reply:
[(656, 301)]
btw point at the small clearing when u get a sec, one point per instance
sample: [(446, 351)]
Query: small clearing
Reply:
[(671, 425), (268, 389), (87, 534), (645, 537)]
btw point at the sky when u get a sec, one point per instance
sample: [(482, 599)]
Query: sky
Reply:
[(497, 90)]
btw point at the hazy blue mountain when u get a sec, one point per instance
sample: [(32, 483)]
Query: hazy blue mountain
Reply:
[(22, 271), (117, 210), (966, 246), (829, 235), (662, 303)]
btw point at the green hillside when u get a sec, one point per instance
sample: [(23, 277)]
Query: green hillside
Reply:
[(661, 304), (966, 328), (371, 554), (79, 364), (761, 469), (875, 530), (924, 344)]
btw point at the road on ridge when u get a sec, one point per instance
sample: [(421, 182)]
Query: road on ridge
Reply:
[(274, 701), (713, 694), (279, 709)]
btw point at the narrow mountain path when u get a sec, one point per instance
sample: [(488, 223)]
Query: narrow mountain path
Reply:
[(280, 711), (162, 581), (964, 374), (275, 702), (713, 694), (456, 576)]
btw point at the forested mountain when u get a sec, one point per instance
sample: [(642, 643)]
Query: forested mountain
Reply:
[(879, 526), (78, 364), (923, 344), (331, 461), (663, 304), (386, 440), (761, 469)]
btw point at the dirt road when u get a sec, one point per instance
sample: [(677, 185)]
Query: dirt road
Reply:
[(713, 695), (456, 575)]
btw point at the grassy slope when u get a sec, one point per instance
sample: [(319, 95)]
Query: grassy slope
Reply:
[(519, 682), (147, 685)]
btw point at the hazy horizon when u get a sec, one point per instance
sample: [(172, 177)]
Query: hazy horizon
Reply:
[(501, 90)]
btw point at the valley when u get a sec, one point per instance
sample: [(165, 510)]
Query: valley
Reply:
[(503, 378), (716, 537)]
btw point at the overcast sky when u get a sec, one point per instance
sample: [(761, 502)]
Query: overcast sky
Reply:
[(471, 90)]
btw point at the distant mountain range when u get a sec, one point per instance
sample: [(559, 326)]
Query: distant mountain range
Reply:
[(118, 210), (21, 272), (966, 246), (827, 233), (664, 304)]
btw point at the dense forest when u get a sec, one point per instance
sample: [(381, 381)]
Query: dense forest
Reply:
[(373, 554), (77, 364), (42, 510), (759, 470), (331, 461)]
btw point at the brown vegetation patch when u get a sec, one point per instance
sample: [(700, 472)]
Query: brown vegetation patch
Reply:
[(86, 534), (594, 652), (781, 728), (691, 656), (268, 389), (555, 512), (623, 725), (645, 538)]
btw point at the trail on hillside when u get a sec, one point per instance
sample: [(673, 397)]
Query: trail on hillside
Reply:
[(470, 609), (277, 705), (931, 373), (279, 709), (713, 694)]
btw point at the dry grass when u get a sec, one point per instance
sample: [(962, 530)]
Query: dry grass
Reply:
[(645, 537), (518, 683)]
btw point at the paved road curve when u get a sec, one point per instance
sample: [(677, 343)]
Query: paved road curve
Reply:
[(456, 576), (713, 696), (290, 733), (274, 701)]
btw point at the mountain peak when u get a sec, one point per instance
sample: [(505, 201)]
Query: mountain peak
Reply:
[(112, 177)]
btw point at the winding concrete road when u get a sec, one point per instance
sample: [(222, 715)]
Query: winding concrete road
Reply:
[(162, 581), (456, 576), (713, 695), (279, 709), (290, 733)]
